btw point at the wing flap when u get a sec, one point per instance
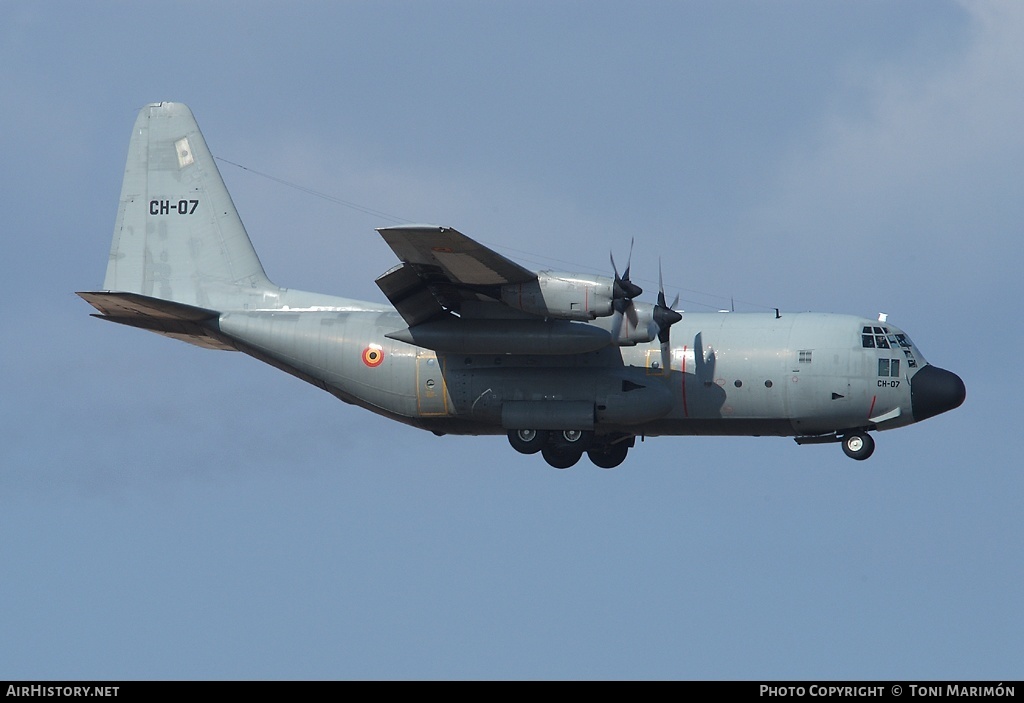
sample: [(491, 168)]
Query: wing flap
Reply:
[(410, 295)]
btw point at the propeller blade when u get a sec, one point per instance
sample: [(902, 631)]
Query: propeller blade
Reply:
[(661, 286), (664, 316), (629, 259), (624, 289), (624, 309), (664, 333)]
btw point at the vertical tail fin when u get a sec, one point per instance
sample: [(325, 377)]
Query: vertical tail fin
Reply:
[(178, 236)]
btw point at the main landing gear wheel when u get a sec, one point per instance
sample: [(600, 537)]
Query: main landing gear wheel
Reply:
[(577, 440), (561, 457), (528, 441), (610, 456), (858, 445)]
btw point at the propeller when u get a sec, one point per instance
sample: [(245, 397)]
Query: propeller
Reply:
[(623, 292), (624, 289), (664, 317)]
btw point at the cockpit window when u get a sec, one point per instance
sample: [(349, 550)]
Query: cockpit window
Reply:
[(876, 337)]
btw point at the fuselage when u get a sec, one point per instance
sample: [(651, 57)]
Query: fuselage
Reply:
[(795, 374)]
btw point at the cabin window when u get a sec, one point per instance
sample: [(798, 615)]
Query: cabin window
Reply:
[(888, 367)]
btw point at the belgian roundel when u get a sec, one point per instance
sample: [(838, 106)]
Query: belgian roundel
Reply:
[(373, 356)]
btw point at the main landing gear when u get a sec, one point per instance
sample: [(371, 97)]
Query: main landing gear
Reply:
[(562, 449)]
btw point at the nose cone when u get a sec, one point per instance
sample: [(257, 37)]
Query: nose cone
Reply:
[(933, 391)]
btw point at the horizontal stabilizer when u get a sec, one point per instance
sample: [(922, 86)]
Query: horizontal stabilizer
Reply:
[(177, 320)]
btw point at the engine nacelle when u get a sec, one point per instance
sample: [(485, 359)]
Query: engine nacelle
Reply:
[(645, 330), (562, 296)]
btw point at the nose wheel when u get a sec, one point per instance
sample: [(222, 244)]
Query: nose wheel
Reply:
[(858, 445)]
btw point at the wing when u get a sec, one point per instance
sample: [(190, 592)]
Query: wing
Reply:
[(442, 270), (445, 272)]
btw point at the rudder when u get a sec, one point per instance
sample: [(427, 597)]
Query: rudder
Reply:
[(178, 236)]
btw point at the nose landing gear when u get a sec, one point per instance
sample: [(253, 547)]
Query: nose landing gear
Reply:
[(858, 445)]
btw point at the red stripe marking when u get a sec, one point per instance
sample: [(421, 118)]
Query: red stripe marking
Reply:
[(871, 410)]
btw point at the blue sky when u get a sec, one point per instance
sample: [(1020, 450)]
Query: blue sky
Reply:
[(172, 512)]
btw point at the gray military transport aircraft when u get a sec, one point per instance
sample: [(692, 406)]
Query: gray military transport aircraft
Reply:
[(473, 343)]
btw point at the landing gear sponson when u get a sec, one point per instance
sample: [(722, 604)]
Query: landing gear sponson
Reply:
[(564, 448)]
